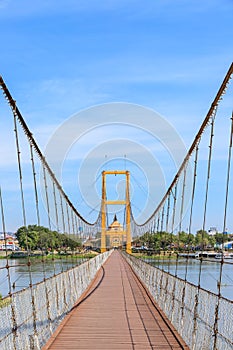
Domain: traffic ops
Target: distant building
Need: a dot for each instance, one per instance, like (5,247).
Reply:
(116,236)
(8,242)
(212,231)
(115,226)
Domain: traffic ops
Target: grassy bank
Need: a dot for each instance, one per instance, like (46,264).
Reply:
(56,256)
(3,254)
(4,302)
(161,256)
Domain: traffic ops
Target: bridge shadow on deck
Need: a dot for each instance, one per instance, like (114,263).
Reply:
(118,315)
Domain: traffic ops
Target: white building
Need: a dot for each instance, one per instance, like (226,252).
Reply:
(212,231)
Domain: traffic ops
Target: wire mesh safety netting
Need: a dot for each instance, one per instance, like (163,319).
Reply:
(189,237)
(33,314)
(42,272)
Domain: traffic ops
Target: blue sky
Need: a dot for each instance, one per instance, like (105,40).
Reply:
(60,57)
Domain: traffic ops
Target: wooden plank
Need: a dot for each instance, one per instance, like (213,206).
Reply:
(117,315)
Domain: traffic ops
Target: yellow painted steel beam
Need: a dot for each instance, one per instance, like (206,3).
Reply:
(103,216)
(115,202)
(115,172)
(128,230)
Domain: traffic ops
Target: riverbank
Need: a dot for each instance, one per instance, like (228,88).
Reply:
(4,254)
(204,255)
(162,256)
(50,256)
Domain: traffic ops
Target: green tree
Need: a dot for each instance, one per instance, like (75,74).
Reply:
(69,242)
(163,239)
(221,238)
(48,239)
(27,237)
(202,239)
(39,237)
(185,239)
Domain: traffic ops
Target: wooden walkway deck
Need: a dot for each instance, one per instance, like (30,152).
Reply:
(117,315)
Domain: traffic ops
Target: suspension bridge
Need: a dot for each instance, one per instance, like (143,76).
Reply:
(118,299)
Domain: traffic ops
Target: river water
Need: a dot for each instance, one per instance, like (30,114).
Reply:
(19,274)
(210,272)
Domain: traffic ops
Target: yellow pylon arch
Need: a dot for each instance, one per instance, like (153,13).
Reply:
(106,202)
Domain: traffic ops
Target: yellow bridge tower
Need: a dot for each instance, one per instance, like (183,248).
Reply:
(104,231)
